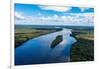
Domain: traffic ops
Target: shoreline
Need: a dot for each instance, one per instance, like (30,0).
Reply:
(82,50)
(37,34)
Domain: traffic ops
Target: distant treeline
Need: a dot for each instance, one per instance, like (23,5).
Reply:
(55,27)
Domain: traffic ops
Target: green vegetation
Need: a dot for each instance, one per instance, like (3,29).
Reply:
(24,34)
(56,41)
(83,49)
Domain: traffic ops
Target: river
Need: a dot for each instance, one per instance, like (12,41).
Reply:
(38,50)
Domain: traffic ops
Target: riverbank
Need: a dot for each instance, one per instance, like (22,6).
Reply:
(83,49)
(23,35)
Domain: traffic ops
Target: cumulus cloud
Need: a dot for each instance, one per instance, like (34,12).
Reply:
(72,19)
(55,8)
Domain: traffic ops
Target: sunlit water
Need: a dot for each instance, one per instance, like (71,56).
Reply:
(38,50)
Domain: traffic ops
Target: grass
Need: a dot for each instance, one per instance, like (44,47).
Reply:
(83,49)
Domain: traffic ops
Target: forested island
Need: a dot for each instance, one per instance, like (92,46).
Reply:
(55,42)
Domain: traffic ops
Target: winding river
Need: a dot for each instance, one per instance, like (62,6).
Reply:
(38,50)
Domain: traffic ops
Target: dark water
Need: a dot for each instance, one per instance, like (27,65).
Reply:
(38,50)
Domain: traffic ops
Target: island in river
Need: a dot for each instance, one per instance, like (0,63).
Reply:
(55,42)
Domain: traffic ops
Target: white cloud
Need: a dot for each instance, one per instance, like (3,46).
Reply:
(55,8)
(72,19)
(18,15)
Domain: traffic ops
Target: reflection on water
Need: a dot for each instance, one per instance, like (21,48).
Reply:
(38,50)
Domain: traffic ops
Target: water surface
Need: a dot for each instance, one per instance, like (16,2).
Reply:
(38,50)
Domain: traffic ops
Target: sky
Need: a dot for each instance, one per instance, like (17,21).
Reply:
(30,14)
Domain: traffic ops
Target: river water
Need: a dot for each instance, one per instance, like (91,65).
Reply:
(38,50)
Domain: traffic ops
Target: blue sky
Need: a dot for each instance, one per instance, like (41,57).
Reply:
(53,15)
